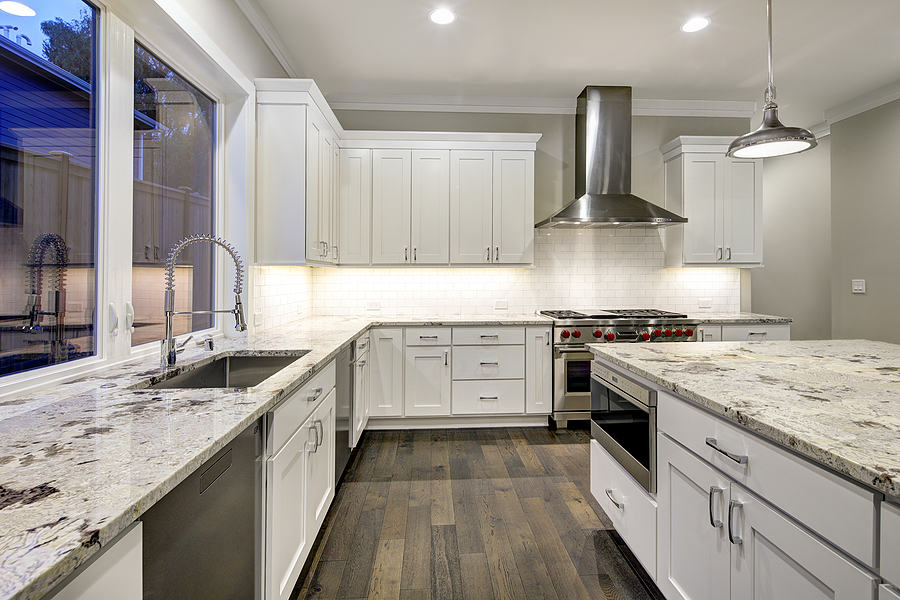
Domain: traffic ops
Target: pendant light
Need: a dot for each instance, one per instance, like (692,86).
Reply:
(772,138)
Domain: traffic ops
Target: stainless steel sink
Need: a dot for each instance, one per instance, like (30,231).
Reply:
(225,372)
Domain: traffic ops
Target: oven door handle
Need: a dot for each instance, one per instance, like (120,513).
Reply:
(571,349)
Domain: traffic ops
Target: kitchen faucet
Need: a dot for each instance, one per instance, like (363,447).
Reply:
(59,346)
(168,348)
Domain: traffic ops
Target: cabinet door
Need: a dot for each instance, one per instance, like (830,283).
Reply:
(114,574)
(315,133)
(743,228)
(778,560)
(471,202)
(386,374)
(320,445)
(756,333)
(287,544)
(709,333)
(354,214)
(333,200)
(693,549)
(538,371)
(427,381)
(360,398)
(513,207)
(430,209)
(391,183)
(704,181)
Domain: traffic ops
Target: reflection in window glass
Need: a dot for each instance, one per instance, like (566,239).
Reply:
(48,186)
(174,127)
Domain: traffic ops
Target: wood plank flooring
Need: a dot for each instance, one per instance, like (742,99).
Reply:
(470,514)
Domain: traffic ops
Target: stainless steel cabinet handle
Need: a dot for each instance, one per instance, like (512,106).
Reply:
(487,256)
(740,459)
(713,490)
(316,393)
(497,254)
(488,397)
(490,364)
(728,253)
(547,335)
(428,337)
(762,333)
(446,357)
(334,252)
(318,424)
(313,446)
(734,539)
(494,336)
(619,505)
(415,254)
(361,363)
(719,253)
(406,254)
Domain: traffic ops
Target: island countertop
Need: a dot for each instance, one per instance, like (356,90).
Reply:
(836,402)
(81,461)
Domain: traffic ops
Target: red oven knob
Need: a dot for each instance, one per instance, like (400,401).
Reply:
(657,333)
(689,332)
(576,334)
(668,333)
(611,336)
(598,333)
(677,333)
(645,336)
(565,334)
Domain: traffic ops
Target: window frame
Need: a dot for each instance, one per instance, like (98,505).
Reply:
(166,30)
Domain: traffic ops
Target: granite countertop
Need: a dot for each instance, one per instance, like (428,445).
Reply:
(737,318)
(836,402)
(81,461)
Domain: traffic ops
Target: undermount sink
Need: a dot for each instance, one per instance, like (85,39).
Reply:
(226,372)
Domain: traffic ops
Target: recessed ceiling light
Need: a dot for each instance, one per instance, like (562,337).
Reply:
(695,24)
(16,8)
(442,16)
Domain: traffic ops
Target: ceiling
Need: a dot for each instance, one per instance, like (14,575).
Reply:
(826,52)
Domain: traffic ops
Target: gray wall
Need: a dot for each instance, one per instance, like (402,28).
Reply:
(795,280)
(554,185)
(865,212)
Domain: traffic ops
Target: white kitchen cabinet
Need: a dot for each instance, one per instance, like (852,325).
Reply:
(709,333)
(320,207)
(513,207)
(488,397)
(721,198)
(386,375)
(471,206)
(391,205)
(538,371)
(361,390)
(114,573)
(888,592)
(756,333)
(717,540)
(890,542)
(426,388)
(320,447)
(430,231)
(355,207)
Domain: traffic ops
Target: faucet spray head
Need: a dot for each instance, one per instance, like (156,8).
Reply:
(239,323)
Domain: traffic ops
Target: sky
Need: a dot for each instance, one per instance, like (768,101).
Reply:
(46,10)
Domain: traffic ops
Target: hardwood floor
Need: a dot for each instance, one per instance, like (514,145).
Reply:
(470,514)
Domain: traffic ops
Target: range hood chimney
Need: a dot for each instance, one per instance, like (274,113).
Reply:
(603,167)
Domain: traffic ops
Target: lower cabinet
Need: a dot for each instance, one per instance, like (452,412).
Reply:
(538,371)
(386,374)
(361,394)
(427,381)
(319,463)
(759,332)
(718,540)
(113,574)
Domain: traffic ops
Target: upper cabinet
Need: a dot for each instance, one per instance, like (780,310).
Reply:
(326,196)
(722,200)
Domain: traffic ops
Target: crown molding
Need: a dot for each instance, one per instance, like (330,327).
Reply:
(538,106)
(263,26)
(863,103)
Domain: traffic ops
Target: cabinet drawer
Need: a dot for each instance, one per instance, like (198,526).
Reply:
(283,420)
(756,333)
(792,483)
(635,515)
(888,592)
(488,397)
(488,362)
(890,542)
(494,336)
(428,336)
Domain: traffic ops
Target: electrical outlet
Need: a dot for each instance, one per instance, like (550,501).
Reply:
(858,286)
(704,302)
(258,317)
(373,305)
(501,304)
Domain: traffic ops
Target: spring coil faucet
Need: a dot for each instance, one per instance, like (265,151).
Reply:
(169,349)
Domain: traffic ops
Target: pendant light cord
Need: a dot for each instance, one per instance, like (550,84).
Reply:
(770,91)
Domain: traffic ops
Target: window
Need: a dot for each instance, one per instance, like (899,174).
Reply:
(174,141)
(48,187)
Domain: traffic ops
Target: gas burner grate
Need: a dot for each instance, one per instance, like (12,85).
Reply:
(638,313)
(564,314)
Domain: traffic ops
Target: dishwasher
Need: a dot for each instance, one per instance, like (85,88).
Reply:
(203,539)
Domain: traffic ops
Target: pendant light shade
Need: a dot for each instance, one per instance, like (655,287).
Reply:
(772,138)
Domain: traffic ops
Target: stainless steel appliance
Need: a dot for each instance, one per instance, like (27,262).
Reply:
(623,421)
(572,361)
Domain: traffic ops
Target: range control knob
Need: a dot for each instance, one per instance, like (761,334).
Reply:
(657,333)
(689,332)
(645,336)
(598,333)
(565,334)
(576,334)
(677,333)
(611,336)
(668,333)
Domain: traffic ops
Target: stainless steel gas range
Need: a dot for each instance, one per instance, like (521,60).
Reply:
(572,361)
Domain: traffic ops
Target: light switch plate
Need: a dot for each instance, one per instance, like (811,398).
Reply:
(704,302)
(258,317)
(373,305)
(858,286)
(501,304)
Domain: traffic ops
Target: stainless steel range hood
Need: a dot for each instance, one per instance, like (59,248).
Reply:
(603,167)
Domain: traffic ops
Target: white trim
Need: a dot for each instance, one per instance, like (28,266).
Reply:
(863,103)
(263,26)
(376,423)
(821,130)
(522,105)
